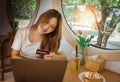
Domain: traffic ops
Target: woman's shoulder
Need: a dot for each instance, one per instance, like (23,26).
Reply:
(23,30)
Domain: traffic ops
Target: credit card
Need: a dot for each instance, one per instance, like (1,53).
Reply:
(41,52)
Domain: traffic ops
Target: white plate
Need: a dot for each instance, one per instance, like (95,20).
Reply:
(82,73)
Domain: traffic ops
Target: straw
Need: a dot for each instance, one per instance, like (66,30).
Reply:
(76,56)
(76,51)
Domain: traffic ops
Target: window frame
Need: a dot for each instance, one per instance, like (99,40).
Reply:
(109,42)
(10,15)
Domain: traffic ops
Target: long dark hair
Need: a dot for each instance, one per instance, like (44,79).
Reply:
(51,41)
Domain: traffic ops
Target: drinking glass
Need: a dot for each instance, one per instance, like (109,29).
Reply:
(75,63)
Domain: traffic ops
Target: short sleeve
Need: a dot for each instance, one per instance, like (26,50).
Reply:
(17,40)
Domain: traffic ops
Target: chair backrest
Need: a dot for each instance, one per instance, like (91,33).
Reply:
(5,55)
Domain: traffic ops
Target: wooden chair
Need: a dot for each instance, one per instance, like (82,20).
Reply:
(5,55)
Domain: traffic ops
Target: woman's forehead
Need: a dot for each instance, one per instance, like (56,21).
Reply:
(53,21)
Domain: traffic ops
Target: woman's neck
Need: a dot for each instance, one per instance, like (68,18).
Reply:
(34,35)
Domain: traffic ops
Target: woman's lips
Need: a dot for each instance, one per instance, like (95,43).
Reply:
(43,29)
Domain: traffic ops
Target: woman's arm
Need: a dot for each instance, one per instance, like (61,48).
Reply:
(60,55)
(17,43)
(15,53)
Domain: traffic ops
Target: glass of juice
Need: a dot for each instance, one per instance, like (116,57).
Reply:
(75,63)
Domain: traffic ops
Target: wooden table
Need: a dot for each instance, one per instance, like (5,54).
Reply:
(72,76)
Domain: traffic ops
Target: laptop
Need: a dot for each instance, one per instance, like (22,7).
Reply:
(38,70)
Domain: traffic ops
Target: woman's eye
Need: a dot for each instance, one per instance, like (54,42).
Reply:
(52,27)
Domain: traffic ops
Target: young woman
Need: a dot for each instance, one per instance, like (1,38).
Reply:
(45,34)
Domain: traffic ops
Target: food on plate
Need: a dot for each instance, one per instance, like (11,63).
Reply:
(92,77)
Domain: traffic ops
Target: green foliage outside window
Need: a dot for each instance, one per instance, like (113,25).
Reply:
(23,8)
(106,14)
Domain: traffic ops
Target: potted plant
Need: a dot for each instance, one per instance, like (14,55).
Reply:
(83,41)
(14,25)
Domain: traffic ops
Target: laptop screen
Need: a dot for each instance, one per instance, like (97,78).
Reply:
(38,70)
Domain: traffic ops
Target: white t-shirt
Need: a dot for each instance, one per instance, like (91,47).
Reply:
(21,42)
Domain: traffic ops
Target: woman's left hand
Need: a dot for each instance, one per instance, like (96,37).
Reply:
(52,55)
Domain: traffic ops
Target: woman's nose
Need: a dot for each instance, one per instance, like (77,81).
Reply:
(47,27)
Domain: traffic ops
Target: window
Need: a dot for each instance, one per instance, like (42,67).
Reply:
(23,11)
(88,16)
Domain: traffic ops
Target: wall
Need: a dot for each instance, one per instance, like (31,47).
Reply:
(44,5)
(4,24)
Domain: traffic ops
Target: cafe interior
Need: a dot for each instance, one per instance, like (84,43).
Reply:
(88,32)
